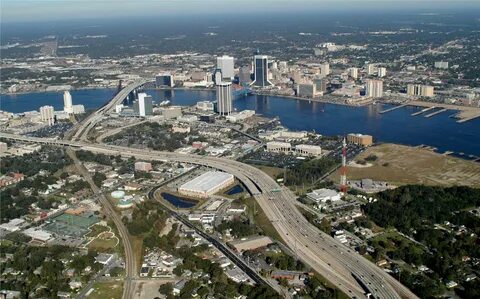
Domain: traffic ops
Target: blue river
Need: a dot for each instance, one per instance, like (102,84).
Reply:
(398,126)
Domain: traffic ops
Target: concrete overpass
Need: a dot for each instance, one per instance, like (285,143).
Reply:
(330,258)
(87,125)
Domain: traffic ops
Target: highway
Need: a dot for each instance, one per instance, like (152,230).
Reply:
(87,125)
(330,258)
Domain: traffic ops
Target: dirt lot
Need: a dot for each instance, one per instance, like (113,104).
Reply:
(400,165)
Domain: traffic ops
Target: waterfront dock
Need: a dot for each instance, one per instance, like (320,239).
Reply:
(393,108)
(423,110)
(436,112)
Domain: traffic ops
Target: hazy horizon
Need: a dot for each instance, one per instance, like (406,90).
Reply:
(26,11)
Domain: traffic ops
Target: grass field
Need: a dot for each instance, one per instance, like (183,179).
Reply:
(401,165)
(261,219)
(107,290)
(103,244)
(96,229)
(271,171)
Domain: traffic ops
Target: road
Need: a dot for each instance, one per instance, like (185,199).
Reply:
(90,122)
(330,258)
(130,261)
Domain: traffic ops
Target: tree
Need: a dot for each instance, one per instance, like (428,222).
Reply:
(166,289)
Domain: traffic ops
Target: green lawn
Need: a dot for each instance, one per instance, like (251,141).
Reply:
(96,229)
(107,290)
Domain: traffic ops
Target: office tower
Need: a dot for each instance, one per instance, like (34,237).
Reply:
(381,72)
(217,76)
(260,71)
(307,90)
(274,66)
(354,72)
(244,75)
(67,102)
(324,69)
(145,104)
(420,90)
(226,65)
(374,89)
(441,64)
(224,98)
(164,80)
(370,69)
(47,114)
(320,84)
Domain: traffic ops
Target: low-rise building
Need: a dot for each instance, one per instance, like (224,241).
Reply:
(279,147)
(143,166)
(251,243)
(206,184)
(365,140)
(308,150)
(323,195)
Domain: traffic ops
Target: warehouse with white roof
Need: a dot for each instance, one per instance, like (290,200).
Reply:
(206,184)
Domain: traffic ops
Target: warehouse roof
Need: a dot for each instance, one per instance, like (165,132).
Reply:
(207,181)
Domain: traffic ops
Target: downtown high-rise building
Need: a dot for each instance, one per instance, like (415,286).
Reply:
(144,105)
(324,69)
(260,71)
(47,114)
(67,102)
(226,66)
(164,80)
(374,88)
(354,72)
(420,90)
(381,72)
(224,98)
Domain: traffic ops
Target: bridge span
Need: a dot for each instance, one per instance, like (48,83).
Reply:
(85,126)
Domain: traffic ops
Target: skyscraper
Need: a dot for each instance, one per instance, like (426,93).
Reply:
(381,72)
(224,98)
(47,114)
(324,69)
(354,72)
(260,71)
(164,79)
(226,65)
(67,102)
(374,88)
(145,104)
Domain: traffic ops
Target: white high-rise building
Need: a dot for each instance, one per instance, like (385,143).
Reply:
(354,72)
(67,102)
(47,114)
(371,69)
(226,65)
(381,72)
(324,69)
(374,88)
(224,98)
(145,104)
(420,90)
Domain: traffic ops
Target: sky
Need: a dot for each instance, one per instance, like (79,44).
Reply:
(51,10)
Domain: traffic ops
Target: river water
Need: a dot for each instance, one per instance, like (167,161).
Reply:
(398,126)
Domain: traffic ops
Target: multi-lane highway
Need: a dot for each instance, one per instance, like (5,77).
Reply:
(328,257)
(82,130)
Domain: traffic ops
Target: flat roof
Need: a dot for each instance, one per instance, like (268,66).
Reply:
(207,181)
